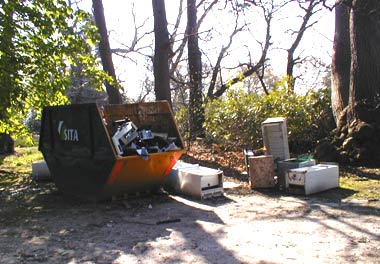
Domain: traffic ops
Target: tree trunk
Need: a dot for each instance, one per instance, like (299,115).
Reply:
(195,71)
(161,52)
(114,96)
(7,144)
(341,62)
(356,140)
(365,52)
(8,57)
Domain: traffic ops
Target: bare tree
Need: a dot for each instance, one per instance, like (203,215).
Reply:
(310,10)
(161,52)
(135,46)
(195,72)
(177,54)
(250,67)
(114,96)
(222,52)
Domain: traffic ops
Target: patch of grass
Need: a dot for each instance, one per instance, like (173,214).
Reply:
(364,181)
(16,168)
(22,160)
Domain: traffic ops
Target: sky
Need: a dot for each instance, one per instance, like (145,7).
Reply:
(132,71)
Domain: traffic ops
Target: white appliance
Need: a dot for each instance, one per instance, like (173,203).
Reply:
(194,180)
(315,178)
(275,137)
(284,166)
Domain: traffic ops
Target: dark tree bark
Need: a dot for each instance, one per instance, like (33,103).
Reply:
(356,139)
(114,96)
(195,72)
(161,52)
(10,74)
(7,144)
(365,52)
(341,62)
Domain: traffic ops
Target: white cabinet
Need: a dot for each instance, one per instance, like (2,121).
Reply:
(315,178)
(275,138)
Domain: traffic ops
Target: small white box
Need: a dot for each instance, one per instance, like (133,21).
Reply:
(40,171)
(315,178)
(195,180)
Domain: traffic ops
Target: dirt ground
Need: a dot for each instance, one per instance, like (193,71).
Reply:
(37,225)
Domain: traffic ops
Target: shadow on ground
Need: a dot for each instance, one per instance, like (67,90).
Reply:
(361,172)
(39,225)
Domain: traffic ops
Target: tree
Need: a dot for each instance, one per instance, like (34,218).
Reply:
(250,68)
(356,138)
(114,96)
(310,10)
(365,53)
(161,52)
(40,39)
(195,72)
(341,61)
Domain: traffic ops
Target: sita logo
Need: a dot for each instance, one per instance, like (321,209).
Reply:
(67,134)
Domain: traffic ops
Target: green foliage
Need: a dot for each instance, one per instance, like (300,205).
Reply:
(235,120)
(22,161)
(26,141)
(182,118)
(40,40)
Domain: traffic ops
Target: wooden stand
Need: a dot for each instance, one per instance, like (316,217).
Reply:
(261,171)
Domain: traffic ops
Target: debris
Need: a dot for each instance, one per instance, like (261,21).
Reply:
(261,171)
(145,134)
(283,166)
(129,140)
(252,153)
(139,248)
(175,220)
(126,133)
(195,180)
(313,179)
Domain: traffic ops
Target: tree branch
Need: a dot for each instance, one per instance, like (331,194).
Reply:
(220,57)
(252,68)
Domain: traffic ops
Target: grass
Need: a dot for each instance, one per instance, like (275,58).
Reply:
(16,168)
(365,182)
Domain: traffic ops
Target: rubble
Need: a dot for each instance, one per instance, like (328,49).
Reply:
(130,140)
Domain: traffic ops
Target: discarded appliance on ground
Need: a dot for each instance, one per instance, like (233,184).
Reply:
(275,138)
(313,179)
(283,166)
(273,167)
(40,171)
(194,180)
(261,171)
(252,153)
(98,152)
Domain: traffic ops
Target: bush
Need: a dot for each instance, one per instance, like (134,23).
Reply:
(182,118)
(235,120)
